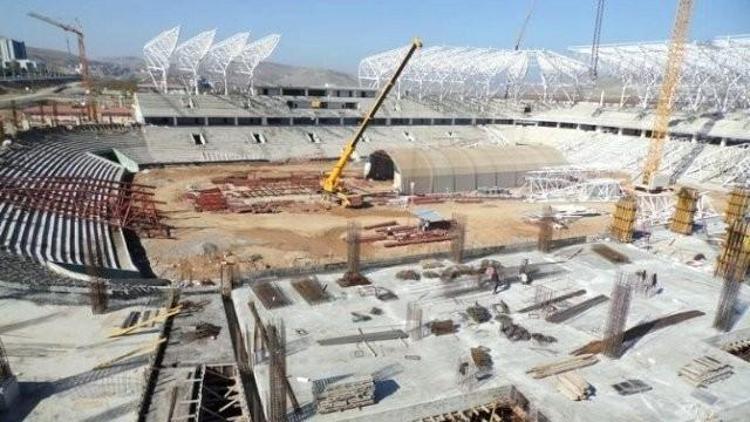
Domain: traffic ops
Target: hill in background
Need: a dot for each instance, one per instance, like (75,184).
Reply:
(128,67)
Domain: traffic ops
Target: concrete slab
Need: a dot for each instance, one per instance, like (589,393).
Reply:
(410,374)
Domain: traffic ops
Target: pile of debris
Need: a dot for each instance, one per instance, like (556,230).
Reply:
(353,279)
(481,358)
(408,275)
(515,332)
(442,327)
(207,199)
(705,370)
(453,272)
(610,254)
(574,387)
(349,395)
(479,313)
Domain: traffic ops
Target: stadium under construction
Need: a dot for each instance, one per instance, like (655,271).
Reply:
(468,234)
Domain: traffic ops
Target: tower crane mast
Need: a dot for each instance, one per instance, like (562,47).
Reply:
(85,74)
(667,92)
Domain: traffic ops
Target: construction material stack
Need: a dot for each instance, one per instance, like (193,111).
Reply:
(705,370)
(623,224)
(349,395)
(684,213)
(573,386)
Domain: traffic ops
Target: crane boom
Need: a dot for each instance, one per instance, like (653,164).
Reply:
(66,27)
(667,92)
(85,74)
(332,183)
(597,38)
(522,31)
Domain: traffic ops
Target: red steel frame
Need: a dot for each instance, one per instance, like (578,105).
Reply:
(119,204)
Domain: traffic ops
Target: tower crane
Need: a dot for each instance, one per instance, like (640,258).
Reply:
(664,105)
(331,184)
(85,75)
(597,38)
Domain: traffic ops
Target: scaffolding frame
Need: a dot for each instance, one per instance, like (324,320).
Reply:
(120,204)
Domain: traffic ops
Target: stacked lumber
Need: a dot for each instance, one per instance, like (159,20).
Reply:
(563,365)
(573,386)
(705,370)
(349,395)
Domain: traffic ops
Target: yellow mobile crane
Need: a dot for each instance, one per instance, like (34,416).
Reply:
(331,184)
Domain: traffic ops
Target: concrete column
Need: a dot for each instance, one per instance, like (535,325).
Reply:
(236,121)
(723,142)
(205,121)
(174,121)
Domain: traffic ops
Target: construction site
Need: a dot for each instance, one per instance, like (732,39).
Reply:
(465,234)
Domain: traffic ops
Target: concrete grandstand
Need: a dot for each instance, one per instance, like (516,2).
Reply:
(204,226)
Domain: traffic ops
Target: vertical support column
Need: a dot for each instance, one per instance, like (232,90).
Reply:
(617,317)
(544,241)
(277,372)
(623,219)
(737,205)
(684,212)
(98,296)
(414,321)
(725,310)
(458,240)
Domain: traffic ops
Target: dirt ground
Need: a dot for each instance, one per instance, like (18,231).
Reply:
(312,233)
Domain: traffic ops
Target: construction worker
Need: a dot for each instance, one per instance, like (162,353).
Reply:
(494,277)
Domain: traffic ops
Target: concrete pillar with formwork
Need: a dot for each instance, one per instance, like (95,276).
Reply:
(683,218)
(738,204)
(544,240)
(735,253)
(458,241)
(623,219)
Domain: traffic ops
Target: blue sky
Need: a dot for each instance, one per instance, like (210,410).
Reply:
(338,33)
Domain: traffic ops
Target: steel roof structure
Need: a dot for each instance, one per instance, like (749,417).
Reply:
(715,74)
(197,57)
(188,55)
(478,72)
(254,53)
(157,53)
(221,55)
